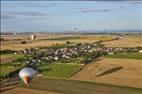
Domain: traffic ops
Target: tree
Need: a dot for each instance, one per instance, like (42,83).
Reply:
(23,42)
(68,42)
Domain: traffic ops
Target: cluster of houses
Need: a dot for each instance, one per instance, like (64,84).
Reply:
(50,54)
(117,50)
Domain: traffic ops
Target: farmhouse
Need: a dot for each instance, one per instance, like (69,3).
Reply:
(56,58)
(33,37)
(140,51)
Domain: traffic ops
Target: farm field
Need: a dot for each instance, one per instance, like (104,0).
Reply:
(12,55)
(13,42)
(7,58)
(59,70)
(126,55)
(29,45)
(49,40)
(8,64)
(20,90)
(9,67)
(45,85)
(123,72)
(127,41)
(51,70)
(60,47)
(119,69)
(78,87)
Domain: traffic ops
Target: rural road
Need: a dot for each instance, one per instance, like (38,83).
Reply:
(79,87)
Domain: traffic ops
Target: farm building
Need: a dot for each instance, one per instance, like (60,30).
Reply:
(33,37)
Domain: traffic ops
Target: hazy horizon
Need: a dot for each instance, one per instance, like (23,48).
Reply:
(67,16)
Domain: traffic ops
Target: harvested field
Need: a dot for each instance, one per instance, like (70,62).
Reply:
(123,72)
(6,59)
(78,87)
(27,91)
(128,41)
(33,44)
(13,42)
(126,55)
(44,85)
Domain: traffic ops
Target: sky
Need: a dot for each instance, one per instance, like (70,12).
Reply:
(64,16)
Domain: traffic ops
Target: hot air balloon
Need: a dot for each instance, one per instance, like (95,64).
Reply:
(26,75)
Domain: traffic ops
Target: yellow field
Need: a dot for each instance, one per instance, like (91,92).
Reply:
(33,44)
(129,75)
(13,42)
(127,41)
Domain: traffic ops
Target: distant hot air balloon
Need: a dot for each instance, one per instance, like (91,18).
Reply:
(26,75)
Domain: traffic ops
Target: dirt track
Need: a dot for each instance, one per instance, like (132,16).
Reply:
(123,72)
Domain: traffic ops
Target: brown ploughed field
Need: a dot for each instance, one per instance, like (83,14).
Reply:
(123,72)
(27,91)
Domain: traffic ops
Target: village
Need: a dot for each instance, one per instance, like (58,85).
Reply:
(68,52)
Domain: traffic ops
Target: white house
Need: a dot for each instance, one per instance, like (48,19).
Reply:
(56,58)
(33,37)
(140,51)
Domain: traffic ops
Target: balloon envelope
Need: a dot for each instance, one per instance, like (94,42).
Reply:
(26,74)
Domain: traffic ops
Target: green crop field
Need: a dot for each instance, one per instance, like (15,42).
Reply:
(9,67)
(6,68)
(17,56)
(8,58)
(127,55)
(59,70)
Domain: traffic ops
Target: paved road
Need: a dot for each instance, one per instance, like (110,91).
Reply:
(79,87)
